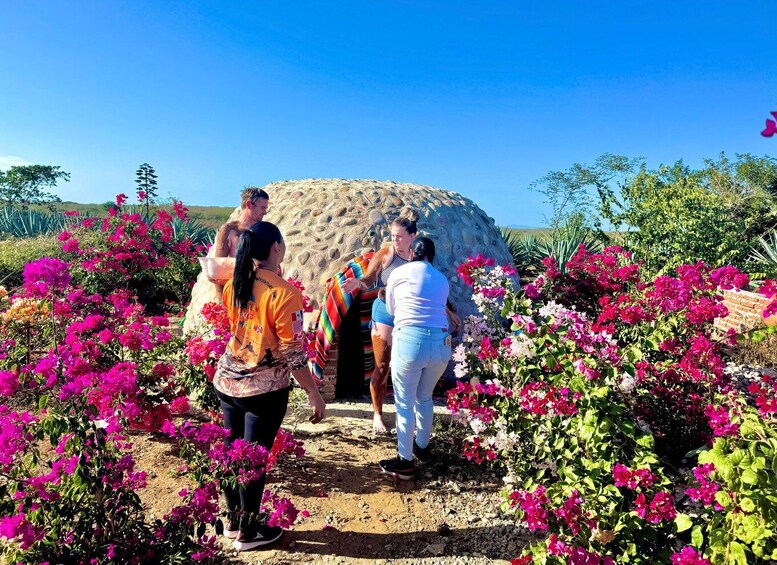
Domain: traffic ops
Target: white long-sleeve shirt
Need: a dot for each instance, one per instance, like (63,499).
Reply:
(416,294)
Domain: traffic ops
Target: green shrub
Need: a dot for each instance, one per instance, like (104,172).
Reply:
(15,253)
(528,250)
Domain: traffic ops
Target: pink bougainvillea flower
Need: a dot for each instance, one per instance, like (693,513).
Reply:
(688,556)
(770,129)
(46,274)
(720,421)
(180,210)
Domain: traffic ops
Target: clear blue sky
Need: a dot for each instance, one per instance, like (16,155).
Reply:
(477,97)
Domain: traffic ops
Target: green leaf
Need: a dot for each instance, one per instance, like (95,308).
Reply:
(737,553)
(646,440)
(683,522)
(697,537)
(747,504)
(695,452)
(723,498)
(749,476)
(758,336)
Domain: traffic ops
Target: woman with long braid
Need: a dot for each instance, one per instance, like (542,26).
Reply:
(253,376)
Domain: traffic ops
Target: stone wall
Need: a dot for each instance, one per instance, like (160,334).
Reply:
(745,311)
(329,378)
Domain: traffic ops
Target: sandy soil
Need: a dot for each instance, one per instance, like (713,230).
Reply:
(449,514)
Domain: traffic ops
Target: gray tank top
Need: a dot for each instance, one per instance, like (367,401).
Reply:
(396,261)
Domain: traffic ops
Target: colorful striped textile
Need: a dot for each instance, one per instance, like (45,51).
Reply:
(335,305)
(367,297)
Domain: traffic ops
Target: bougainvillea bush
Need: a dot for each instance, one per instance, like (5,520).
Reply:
(80,373)
(603,397)
(150,258)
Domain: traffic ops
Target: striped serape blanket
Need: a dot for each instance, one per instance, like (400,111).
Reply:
(335,305)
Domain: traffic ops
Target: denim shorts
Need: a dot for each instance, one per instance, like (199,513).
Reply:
(380,314)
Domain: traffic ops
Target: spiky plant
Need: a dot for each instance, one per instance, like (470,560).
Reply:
(764,255)
(524,249)
(565,242)
(194,230)
(29,223)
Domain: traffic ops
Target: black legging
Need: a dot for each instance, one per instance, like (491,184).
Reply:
(257,419)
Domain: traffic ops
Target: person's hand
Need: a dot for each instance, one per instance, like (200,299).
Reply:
(456,321)
(318,404)
(349,285)
(220,282)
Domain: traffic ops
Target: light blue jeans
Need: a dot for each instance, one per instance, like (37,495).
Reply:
(419,357)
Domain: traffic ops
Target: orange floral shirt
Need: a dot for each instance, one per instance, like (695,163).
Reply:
(266,341)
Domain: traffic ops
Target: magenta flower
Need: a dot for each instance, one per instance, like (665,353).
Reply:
(660,508)
(45,274)
(180,405)
(688,556)
(729,277)
(720,421)
(9,383)
(180,210)
(624,477)
(283,513)
(706,490)
(16,527)
(533,505)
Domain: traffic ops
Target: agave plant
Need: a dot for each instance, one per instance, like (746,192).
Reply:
(194,230)
(765,253)
(524,249)
(565,242)
(29,223)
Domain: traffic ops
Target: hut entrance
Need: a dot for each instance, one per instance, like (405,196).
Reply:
(354,360)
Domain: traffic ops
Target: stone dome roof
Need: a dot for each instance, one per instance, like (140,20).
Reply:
(327,222)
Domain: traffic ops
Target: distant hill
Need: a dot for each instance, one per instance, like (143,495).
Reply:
(525,227)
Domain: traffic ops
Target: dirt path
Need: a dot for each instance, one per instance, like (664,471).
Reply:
(450,514)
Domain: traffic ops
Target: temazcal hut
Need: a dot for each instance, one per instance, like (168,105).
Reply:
(328,222)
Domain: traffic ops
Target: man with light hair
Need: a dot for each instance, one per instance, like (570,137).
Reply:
(254,203)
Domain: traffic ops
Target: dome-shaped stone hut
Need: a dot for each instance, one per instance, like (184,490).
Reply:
(327,222)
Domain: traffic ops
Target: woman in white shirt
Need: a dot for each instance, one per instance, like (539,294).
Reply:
(416,295)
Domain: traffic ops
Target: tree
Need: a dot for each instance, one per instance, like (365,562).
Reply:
(673,214)
(748,187)
(673,218)
(676,215)
(23,185)
(580,191)
(145,178)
